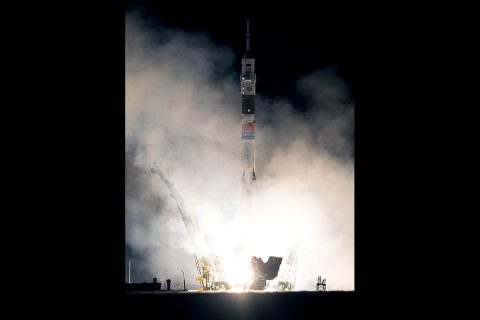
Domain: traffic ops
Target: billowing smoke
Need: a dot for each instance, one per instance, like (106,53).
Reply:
(183,112)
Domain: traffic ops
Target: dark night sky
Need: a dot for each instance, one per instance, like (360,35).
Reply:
(287,44)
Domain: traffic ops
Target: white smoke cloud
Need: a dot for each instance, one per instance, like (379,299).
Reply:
(182,110)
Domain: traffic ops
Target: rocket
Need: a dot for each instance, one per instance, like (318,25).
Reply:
(247,84)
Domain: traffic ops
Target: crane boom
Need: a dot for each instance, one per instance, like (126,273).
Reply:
(187,218)
(208,264)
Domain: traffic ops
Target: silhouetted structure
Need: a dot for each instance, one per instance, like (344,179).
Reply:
(264,271)
(168,284)
(184,286)
(153,286)
(321,285)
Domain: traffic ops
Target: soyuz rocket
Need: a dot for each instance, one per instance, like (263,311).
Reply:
(247,85)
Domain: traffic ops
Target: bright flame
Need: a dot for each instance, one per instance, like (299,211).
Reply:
(235,242)
(237,271)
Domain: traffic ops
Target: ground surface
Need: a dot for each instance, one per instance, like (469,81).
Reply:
(246,305)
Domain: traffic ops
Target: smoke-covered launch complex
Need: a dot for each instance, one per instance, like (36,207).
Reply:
(211,275)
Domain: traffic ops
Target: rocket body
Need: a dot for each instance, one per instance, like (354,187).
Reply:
(248,91)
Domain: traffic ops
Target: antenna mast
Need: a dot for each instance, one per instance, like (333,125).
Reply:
(129,271)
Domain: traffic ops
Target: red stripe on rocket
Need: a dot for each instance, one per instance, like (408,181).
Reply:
(248,130)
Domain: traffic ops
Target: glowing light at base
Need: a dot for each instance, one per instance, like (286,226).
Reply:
(235,242)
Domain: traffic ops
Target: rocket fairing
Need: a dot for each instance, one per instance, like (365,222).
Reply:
(247,85)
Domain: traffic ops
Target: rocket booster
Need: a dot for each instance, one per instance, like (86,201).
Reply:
(247,84)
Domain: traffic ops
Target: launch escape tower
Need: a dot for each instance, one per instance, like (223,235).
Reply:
(247,84)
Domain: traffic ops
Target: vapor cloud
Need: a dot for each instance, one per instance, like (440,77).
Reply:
(182,110)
